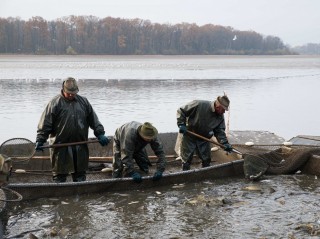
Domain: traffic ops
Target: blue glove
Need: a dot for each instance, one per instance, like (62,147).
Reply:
(182,129)
(136,177)
(39,146)
(227,147)
(103,140)
(157,176)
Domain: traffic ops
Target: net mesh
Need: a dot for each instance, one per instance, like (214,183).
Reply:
(275,159)
(20,150)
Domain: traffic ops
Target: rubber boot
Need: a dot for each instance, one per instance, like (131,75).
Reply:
(185,166)
(79,177)
(60,178)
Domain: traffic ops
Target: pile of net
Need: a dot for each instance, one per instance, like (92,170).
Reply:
(259,161)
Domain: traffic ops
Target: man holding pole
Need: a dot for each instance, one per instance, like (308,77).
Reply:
(67,119)
(204,118)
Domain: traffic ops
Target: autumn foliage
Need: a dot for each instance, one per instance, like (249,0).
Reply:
(115,36)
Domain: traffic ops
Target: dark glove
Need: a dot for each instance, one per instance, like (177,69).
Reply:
(157,176)
(227,147)
(39,146)
(182,129)
(136,177)
(103,140)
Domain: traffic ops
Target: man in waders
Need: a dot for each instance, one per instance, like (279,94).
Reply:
(66,119)
(206,119)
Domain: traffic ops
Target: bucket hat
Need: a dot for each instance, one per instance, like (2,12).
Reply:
(147,131)
(224,102)
(70,86)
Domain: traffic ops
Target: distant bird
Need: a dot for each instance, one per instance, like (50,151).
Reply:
(234,38)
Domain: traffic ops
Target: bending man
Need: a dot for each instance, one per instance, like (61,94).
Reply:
(129,144)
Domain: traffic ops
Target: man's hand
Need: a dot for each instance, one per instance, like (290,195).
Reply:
(157,176)
(136,177)
(182,129)
(227,147)
(103,140)
(39,146)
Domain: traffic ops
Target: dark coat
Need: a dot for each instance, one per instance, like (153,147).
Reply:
(67,121)
(199,116)
(128,142)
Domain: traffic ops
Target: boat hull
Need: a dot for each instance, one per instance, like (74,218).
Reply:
(36,181)
(40,190)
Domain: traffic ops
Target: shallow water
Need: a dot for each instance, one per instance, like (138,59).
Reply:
(274,208)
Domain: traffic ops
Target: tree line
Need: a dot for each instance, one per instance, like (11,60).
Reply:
(308,49)
(116,36)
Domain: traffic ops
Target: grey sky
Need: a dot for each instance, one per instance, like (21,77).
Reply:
(296,22)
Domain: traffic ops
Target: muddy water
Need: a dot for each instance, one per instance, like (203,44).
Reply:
(277,94)
(276,207)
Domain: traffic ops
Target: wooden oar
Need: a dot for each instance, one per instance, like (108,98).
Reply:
(211,141)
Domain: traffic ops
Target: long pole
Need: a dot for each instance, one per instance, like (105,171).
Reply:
(70,144)
(211,141)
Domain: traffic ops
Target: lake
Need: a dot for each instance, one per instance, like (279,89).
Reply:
(270,93)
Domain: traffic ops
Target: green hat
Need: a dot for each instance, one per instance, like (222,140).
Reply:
(147,131)
(224,102)
(70,86)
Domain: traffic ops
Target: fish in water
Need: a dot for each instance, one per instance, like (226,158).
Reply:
(258,188)
(206,201)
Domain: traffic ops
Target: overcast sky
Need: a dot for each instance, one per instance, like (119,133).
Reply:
(296,22)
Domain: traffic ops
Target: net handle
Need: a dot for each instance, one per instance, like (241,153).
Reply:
(69,144)
(211,141)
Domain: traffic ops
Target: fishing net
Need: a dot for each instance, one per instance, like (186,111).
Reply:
(275,159)
(20,150)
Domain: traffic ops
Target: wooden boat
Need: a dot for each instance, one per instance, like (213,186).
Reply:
(35,180)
